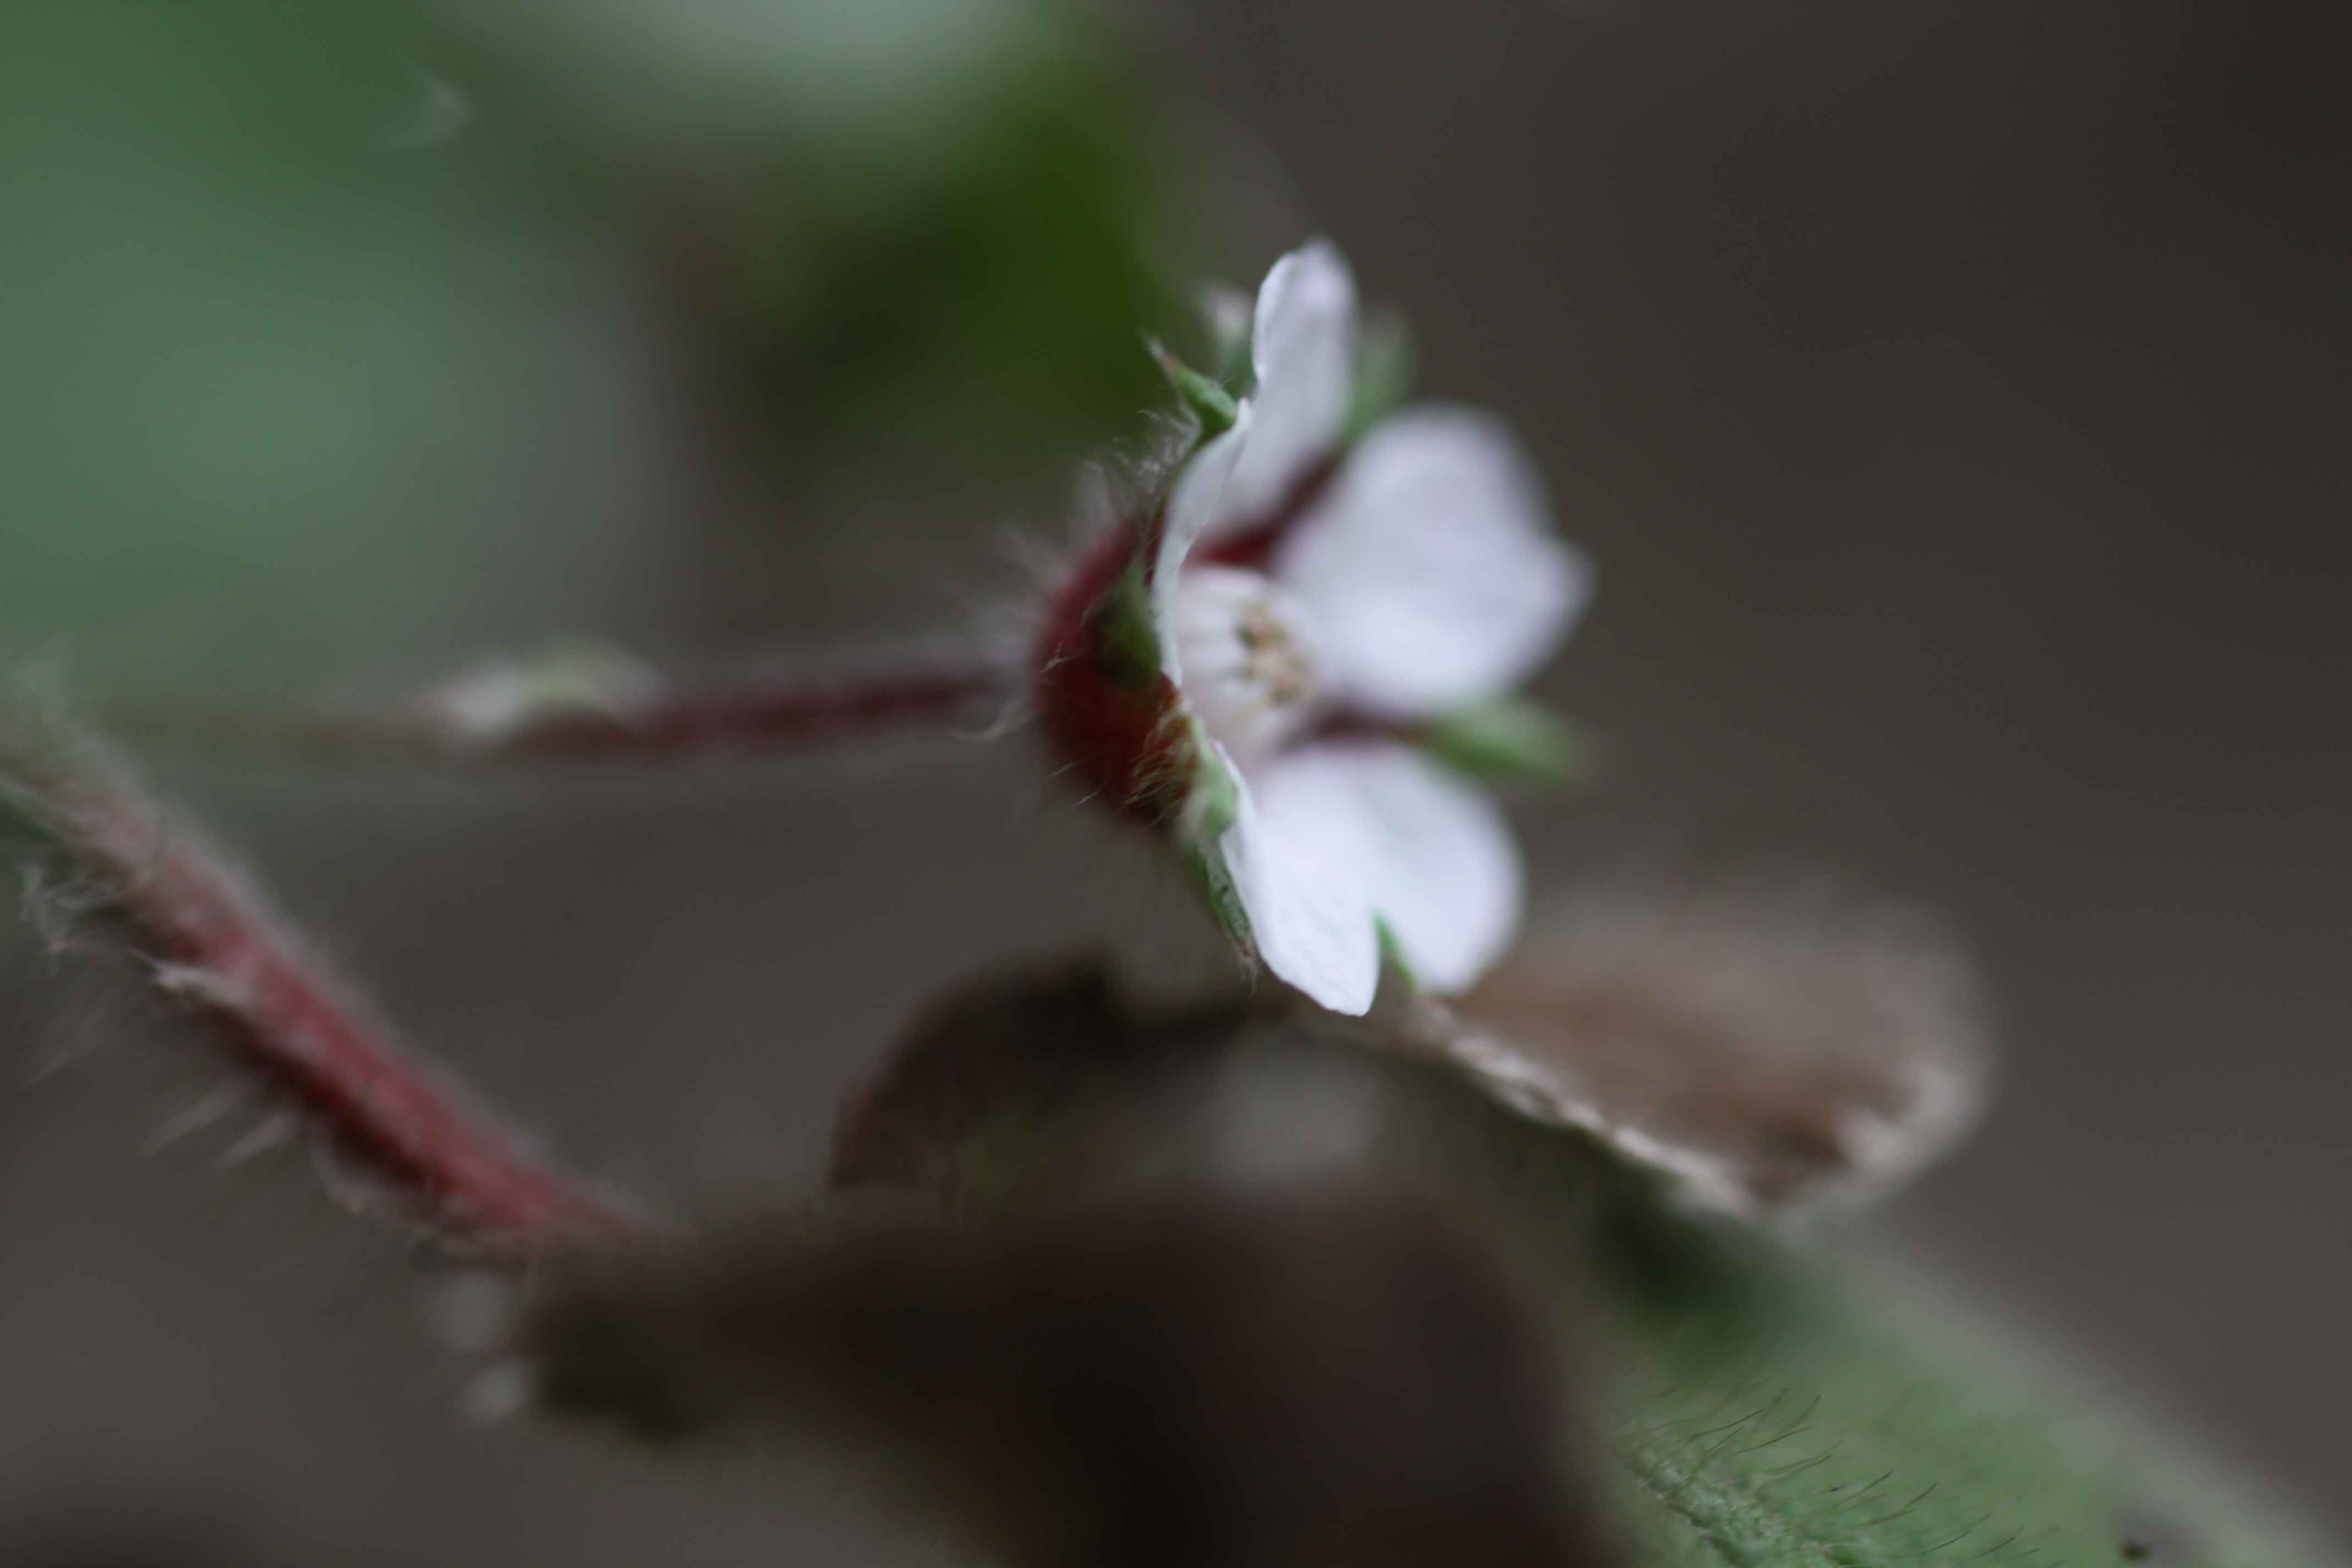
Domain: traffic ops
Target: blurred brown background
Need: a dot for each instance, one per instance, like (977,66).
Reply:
(1954,398)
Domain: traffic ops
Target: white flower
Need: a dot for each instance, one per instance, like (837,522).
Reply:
(1308,616)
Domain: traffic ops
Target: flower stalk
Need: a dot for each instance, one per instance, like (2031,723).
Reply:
(585,705)
(219,943)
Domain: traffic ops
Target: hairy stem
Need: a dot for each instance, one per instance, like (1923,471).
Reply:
(585,706)
(220,945)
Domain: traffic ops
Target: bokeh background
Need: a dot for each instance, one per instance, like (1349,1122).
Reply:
(1953,396)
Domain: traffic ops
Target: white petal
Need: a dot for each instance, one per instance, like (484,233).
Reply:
(1311,920)
(1431,852)
(1430,568)
(1304,348)
(1195,501)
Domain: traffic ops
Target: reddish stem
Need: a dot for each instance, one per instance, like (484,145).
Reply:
(307,1028)
(752,711)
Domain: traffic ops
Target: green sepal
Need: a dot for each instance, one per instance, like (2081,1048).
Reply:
(1126,640)
(1392,959)
(1211,802)
(1512,738)
(1212,879)
(1211,404)
(1383,373)
(1212,799)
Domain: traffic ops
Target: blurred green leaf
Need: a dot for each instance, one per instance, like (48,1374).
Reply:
(906,222)
(278,391)
(328,345)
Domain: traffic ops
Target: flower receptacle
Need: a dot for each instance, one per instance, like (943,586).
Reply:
(1101,696)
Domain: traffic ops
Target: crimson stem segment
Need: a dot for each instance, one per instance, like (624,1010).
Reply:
(222,944)
(531,712)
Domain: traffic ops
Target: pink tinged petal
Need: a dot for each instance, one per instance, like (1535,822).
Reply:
(1195,501)
(1303,345)
(1430,568)
(1309,919)
(1433,853)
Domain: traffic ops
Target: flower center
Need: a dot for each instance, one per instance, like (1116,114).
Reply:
(1245,664)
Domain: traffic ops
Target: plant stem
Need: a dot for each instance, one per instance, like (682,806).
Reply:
(222,946)
(562,710)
